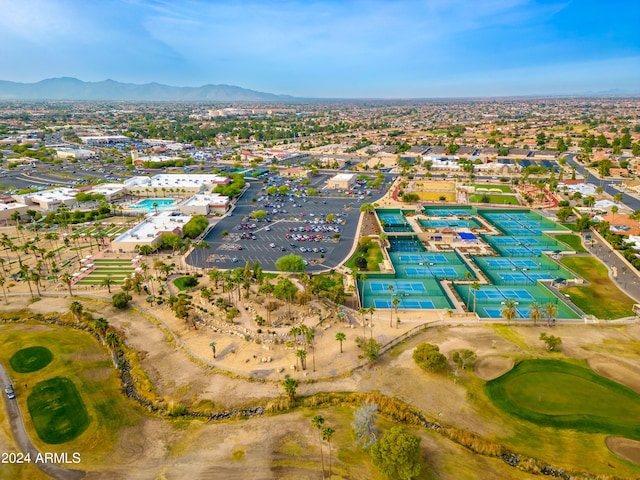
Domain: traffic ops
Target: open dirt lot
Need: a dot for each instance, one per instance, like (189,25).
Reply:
(177,361)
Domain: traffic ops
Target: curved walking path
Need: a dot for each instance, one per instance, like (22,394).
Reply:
(24,442)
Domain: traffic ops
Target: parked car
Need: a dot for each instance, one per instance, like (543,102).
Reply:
(10,392)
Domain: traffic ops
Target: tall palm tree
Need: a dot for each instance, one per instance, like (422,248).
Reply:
(317,422)
(395,303)
(475,286)
(35,277)
(340,337)
(550,310)
(535,312)
(509,310)
(67,279)
(363,312)
(4,292)
(302,355)
(327,434)
(468,276)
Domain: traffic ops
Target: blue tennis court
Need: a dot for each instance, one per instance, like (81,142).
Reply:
(444,272)
(514,277)
(516,293)
(524,263)
(423,257)
(391,219)
(382,286)
(495,312)
(498,263)
(448,212)
(489,295)
(404,303)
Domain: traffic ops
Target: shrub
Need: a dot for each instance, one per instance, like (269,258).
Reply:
(428,357)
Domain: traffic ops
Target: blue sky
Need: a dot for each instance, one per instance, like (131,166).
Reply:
(331,48)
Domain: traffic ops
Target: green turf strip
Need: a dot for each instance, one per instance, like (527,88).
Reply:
(31,359)
(561,395)
(58,412)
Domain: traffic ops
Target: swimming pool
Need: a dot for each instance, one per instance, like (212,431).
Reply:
(152,204)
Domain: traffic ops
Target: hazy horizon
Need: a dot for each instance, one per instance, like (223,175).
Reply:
(369,49)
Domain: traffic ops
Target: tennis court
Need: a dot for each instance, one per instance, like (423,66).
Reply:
(423,257)
(452,223)
(495,312)
(404,304)
(448,212)
(438,272)
(398,286)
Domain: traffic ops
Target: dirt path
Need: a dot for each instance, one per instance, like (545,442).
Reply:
(24,442)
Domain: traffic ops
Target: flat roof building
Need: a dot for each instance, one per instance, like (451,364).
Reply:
(150,231)
(342,181)
(205,204)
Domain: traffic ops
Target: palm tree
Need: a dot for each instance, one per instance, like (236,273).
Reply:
(535,312)
(475,286)
(4,292)
(107,282)
(468,276)
(340,337)
(362,312)
(302,355)
(317,422)
(213,348)
(66,278)
(101,325)
(550,310)
(112,341)
(76,309)
(327,433)
(290,387)
(371,310)
(395,303)
(35,278)
(509,310)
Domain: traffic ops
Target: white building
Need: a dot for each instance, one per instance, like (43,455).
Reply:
(50,199)
(150,231)
(205,204)
(342,181)
(173,184)
(109,190)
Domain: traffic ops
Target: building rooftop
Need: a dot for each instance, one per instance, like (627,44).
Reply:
(154,225)
(200,199)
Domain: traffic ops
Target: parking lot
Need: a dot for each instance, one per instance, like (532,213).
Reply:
(298,225)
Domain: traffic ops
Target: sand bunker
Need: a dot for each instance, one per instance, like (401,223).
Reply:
(488,368)
(625,448)
(616,371)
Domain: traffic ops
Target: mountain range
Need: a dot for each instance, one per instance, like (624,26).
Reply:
(66,88)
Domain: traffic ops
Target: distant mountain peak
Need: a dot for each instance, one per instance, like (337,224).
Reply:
(69,88)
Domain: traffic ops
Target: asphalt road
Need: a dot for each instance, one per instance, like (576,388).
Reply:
(222,251)
(22,439)
(607,185)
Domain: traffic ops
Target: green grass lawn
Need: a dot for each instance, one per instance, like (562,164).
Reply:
(502,188)
(373,256)
(180,282)
(495,199)
(31,359)
(602,297)
(557,394)
(573,241)
(58,412)
(78,357)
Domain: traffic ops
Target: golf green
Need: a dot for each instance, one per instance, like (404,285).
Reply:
(30,359)
(562,395)
(58,412)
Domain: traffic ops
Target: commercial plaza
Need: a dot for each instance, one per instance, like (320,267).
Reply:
(437,254)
